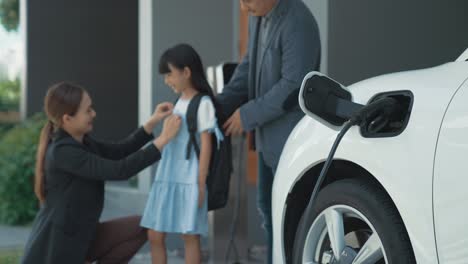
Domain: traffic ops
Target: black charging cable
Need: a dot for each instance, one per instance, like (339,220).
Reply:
(377,111)
(235,220)
(373,115)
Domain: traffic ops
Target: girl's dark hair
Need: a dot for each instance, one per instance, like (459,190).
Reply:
(61,98)
(181,56)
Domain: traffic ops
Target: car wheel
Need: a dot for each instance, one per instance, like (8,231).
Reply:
(352,221)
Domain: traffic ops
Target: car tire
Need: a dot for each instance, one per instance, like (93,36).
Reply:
(353,199)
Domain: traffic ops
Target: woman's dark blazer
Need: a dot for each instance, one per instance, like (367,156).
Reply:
(74,184)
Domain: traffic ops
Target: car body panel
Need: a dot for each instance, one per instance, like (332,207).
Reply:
(451,182)
(403,164)
(464,56)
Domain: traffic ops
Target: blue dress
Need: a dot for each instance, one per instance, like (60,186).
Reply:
(172,205)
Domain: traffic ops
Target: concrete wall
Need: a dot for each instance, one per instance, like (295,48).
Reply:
(368,37)
(319,9)
(92,43)
(208,27)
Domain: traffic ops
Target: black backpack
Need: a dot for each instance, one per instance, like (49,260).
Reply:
(220,169)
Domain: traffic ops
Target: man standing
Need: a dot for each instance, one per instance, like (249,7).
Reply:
(284,45)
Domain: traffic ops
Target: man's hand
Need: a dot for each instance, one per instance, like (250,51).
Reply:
(233,125)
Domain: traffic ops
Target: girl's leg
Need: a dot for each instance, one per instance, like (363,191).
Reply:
(158,247)
(192,249)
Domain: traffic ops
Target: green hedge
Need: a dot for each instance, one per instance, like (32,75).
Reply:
(9,95)
(9,14)
(10,256)
(18,146)
(4,127)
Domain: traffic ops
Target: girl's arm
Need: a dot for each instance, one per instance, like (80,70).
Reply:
(205,157)
(204,164)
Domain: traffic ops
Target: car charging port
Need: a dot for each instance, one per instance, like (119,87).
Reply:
(385,115)
(389,120)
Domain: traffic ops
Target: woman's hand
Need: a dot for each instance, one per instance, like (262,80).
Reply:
(162,111)
(170,129)
(201,194)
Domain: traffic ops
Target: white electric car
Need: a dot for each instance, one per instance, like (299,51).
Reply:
(397,188)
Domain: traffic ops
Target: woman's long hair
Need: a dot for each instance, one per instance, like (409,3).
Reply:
(61,98)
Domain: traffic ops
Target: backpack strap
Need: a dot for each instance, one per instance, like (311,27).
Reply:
(191,116)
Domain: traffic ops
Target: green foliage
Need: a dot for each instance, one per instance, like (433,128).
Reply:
(9,14)
(18,146)
(10,95)
(10,256)
(4,127)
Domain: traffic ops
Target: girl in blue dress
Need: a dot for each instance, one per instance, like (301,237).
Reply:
(177,202)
